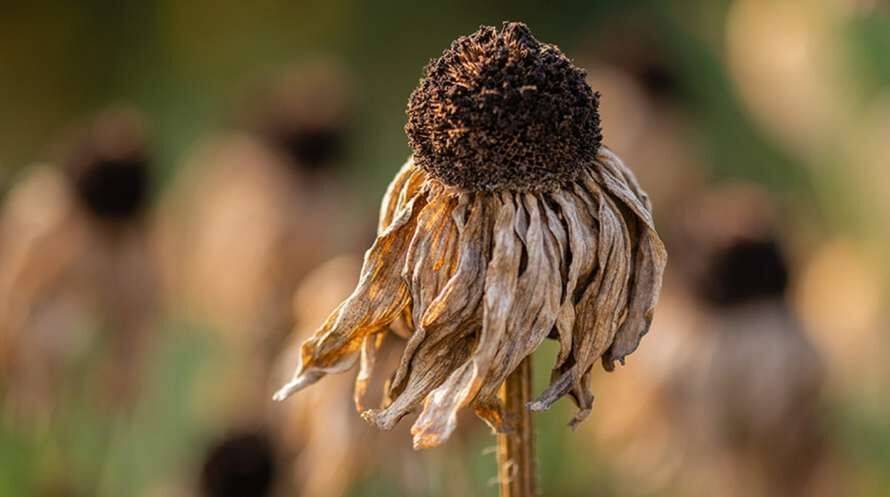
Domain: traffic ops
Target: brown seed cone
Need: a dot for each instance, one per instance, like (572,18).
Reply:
(500,110)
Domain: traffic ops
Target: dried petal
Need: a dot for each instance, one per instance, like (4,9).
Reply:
(650,258)
(584,261)
(536,306)
(370,345)
(380,296)
(439,415)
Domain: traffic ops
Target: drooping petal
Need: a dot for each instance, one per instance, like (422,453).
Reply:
(370,345)
(457,304)
(378,299)
(478,280)
(649,263)
(432,256)
(405,186)
(447,331)
(650,256)
(600,309)
(463,292)
(616,178)
(389,204)
(582,234)
(439,416)
(431,365)
(537,303)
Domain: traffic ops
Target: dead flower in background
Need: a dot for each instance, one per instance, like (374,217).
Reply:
(79,265)
(511,222)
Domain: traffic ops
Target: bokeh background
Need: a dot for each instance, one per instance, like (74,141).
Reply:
(142,334)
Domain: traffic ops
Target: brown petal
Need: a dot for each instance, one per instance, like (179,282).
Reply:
(439,415)
(389,204)
(430,366)
(600,310)
(431,257)
(447,331)
(377,300)
(370,345)
(650,257)
(582,234)
(405,186)
(537,302)
(649,264)
(618,180)
(456,306)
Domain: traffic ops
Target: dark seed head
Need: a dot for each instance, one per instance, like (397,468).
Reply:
(500,110)
(305,114)
(109,167)
(239,465)
(313,148)
(746,271)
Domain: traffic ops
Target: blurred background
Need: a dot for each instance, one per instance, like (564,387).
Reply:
(187,188)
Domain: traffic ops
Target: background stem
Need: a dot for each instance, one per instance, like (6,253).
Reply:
(516,450)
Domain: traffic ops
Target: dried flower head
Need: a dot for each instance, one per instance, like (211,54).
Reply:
(241,464)
(503,111)
(305,114)
(109,167)
(509,224)
(744,271)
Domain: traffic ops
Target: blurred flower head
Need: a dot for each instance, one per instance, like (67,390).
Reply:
(109,166)
(728,398)
(511,222)
(305,115)
(78,270)
(241,464)
(746,270)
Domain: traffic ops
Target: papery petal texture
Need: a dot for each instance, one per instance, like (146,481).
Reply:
(480,279)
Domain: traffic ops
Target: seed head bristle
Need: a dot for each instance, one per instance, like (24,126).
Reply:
(500,110)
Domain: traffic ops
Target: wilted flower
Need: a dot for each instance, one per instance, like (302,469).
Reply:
(78,259)
(729,397)
(510,223)
(329,448)
(256,200)
(255,209)
(241,464)
(306,116)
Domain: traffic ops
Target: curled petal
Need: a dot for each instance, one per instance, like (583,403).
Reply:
(432,256)
(370,346)
(582,236)
(650,257)
(431,365)
(620,181)
(538,292)
(389,204)
(378,299)
(650,261)
(403,188)
(439,415)
(600,309)
(456,306)
(475,281)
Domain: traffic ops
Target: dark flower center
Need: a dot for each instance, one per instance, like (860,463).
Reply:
(746,271)
(313,148)
(115,188)
(240,465)
(500,110)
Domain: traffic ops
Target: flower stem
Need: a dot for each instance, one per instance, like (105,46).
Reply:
(516,448)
